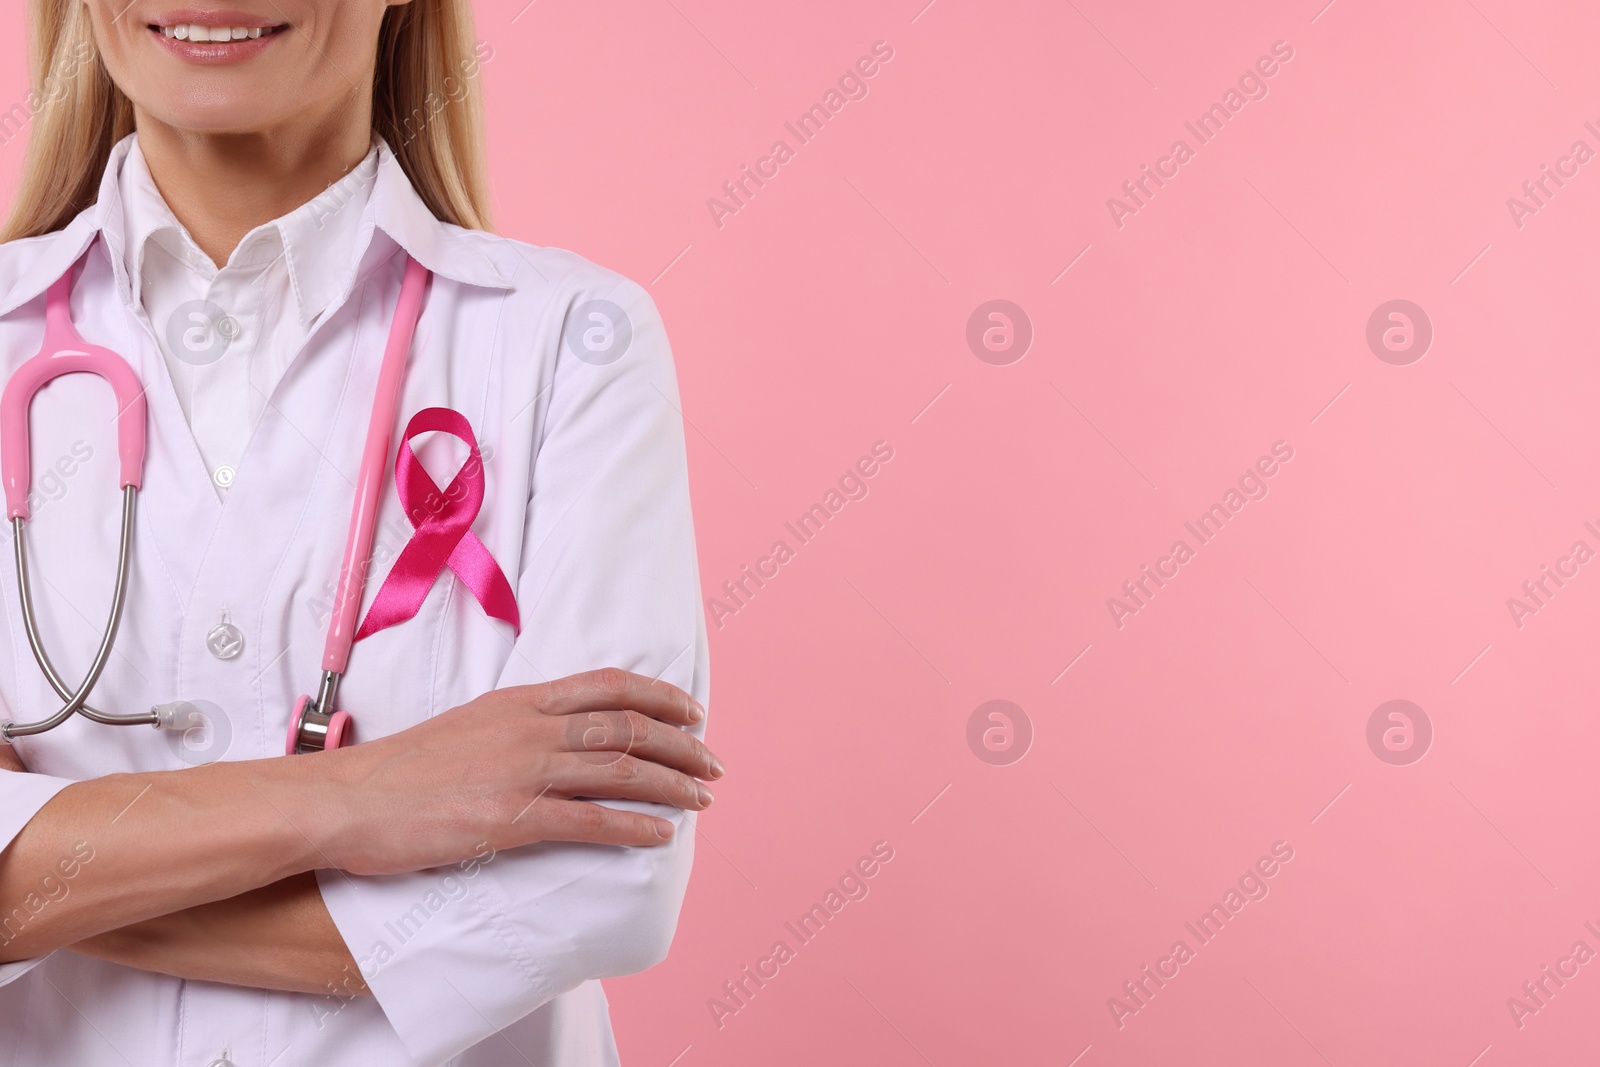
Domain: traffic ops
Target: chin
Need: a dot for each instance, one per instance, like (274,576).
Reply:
(212,110)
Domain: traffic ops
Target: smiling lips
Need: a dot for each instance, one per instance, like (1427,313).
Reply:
(197,33)
(215,37)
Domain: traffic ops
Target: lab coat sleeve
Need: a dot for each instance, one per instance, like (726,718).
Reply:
(21,796)
(608,577)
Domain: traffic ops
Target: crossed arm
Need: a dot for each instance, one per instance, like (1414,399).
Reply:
(279,936)
(213,880)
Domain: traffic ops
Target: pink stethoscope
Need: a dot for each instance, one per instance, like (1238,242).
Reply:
(314,724)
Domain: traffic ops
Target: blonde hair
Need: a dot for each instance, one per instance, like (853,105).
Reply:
(423,105)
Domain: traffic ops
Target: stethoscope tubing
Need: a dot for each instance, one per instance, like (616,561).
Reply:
(313,725)
(374,465)
(75,701)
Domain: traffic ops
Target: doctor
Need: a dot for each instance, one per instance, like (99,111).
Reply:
(234,196)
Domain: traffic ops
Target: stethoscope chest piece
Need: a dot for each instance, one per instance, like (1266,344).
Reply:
(312,730)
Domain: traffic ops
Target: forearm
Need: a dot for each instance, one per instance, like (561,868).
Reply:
(511,768)
(279,936)
(111,852)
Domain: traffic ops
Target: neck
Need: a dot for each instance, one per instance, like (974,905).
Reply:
(222,186)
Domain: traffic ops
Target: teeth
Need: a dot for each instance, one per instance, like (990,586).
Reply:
(196,32)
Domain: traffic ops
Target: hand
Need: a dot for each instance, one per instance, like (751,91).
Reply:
(505,770)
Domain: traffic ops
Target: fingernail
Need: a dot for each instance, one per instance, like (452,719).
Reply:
(706,796)
(696,712)
(717,769)
(663,829)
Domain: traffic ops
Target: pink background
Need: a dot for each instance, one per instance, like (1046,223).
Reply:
(1227,314)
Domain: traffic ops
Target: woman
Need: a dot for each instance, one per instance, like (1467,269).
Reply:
(233,198)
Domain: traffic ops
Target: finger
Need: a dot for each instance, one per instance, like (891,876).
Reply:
(605,732)
(579,820)
(622,777)
(611,688)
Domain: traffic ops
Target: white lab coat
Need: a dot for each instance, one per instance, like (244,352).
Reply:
(586,510)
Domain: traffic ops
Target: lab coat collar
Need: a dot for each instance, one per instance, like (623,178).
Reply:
(41,260)
(394,208)
(312,236)
(446,250)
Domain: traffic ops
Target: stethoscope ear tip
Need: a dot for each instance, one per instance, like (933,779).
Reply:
(166,715)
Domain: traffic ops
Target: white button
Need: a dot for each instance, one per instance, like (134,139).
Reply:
(224,1062)
(223,476)
(225,640)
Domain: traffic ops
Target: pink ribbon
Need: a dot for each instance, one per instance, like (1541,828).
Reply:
(443,538)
